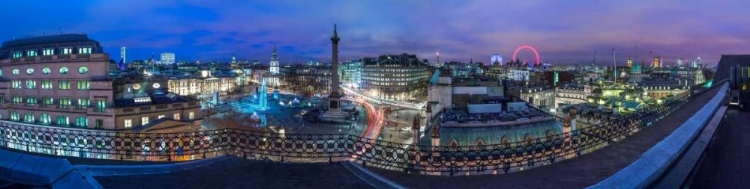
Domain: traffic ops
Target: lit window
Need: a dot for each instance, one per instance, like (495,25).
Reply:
(82,122)
(30,84)
(160,116)
(45,119)
(31,100)
(47,52)
(144,120)
(46,84)
(64,102)
(191,115)
(17,54)
(83,85)
(66,50)
(62,120)
(29,71)
(82,102)
(128,123)
(48,101)
(63,85)
(31,53)
(16,84)
(84,50)
(63,70)
(176,116)
(46,70)
(16,71)
(28,118)
(15,116)
(83,70)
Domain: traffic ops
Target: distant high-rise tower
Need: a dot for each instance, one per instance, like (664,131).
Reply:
(274,65)
(630,62)
(437,59)
(698,62)
(122,54)
(679,62)
(234,63)
(657,62)
(167,58)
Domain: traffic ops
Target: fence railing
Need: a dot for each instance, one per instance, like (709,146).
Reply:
(443,160)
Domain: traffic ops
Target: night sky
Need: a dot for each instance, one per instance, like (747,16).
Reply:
(562,31)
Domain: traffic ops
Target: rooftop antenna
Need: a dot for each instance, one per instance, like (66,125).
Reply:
(594,62)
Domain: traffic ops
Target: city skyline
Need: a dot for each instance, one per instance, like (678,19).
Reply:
(460,31)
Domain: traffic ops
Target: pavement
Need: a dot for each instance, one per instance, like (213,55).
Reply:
(727,160)
(240,173)
(579,172)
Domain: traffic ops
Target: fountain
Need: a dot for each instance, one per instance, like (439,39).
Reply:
(263,100)
(276,93)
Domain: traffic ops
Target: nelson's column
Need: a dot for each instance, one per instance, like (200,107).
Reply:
(334,98)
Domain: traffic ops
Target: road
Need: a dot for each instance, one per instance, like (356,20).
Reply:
(403,104)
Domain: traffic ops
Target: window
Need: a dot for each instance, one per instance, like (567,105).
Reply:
(29,71)
(1,73)
(16,72)
(2,99)
(31,100)
(47,52)
(63,70)
(46,84)
(99,124)
(191,115)
(63,85)
(84,50)
(17,100)
(83,70)
(14,116)
(128,123)
(64,102)
(16,84)
(45,119)
(176,116)
(82,122)
(28,118)
(48,101)
(160,116)
(83,102)
(66,50)
(82,85)
(17,54)
(30,84)
(46,70)
(31,53)
(101,104)
(144,120)
(62,120)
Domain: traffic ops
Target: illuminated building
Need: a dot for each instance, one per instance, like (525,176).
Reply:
(63,81)
(167,58)
(476,112)
(657,62)
(630,62)
(122,55)
(395,77)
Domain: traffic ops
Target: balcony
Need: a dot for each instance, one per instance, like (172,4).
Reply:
(81,107)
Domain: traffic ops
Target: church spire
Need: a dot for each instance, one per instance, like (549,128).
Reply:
(275,55)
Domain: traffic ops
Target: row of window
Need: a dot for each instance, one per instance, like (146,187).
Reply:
(82,102)
(145,120)
(46,119)
(51,51)
(47,84)
(46,70)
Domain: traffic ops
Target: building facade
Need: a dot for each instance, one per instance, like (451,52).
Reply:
(63,80)
(398,77)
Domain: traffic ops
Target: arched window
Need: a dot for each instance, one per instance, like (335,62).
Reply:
(44,119)
(62,120)
(454,144)
(82,122)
